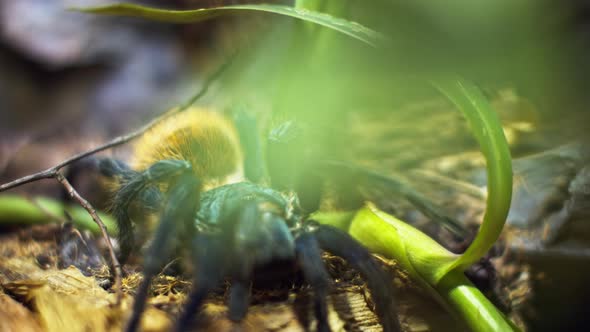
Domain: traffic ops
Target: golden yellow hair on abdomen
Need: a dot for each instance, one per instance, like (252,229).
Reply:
(206,139)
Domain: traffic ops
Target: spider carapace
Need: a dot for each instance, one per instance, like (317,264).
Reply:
(189,171)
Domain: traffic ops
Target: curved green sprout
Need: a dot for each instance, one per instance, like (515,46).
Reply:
(488,131)
(427,262)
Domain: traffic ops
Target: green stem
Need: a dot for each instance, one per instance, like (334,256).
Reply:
(420,256)
(465,301)
(40,210)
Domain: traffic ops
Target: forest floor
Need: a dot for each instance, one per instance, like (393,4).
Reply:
(53,277)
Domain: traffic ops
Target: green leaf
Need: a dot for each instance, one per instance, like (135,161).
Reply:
(486,128)
(349,28)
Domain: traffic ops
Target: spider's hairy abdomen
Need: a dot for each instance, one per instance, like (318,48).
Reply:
(206,139)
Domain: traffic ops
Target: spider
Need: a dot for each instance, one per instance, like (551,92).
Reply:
(191,169)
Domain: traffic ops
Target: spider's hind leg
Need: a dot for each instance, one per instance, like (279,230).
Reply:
(177,218)
(342,244)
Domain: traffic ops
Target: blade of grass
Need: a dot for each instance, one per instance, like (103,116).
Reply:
(16,209)
(349,28)
(486,128)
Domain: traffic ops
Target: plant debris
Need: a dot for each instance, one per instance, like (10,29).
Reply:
(37,294)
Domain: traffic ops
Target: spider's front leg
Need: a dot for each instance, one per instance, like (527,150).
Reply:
(216,254)
(211,262)
(137,186)
(251,233)
(177,218)
(261,236)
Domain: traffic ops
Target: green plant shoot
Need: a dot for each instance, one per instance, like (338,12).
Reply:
(428,262)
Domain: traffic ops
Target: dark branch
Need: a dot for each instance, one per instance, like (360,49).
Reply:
(103,229)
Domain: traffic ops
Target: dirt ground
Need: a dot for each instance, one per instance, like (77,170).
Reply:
(39,293)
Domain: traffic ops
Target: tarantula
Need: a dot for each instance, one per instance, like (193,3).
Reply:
(189,168)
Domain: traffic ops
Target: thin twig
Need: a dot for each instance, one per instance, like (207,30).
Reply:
(168,265)
(116,266)
(52,171)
